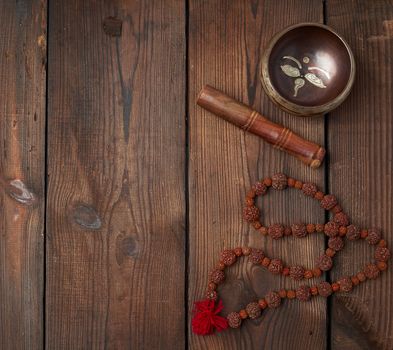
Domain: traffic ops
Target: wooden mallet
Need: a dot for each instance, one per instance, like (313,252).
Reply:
(246,118)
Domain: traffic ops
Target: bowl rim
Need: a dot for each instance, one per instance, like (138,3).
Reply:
(293,107)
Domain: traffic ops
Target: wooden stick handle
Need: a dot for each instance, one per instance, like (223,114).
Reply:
(249,120)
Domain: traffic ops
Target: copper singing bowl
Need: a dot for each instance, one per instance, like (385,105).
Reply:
(308,69)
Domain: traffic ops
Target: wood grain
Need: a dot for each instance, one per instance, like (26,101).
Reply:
(22,172)
(116,206)
(361,149)
(225,46)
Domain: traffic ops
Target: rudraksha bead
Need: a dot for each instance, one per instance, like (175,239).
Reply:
(256,256)
(303,293)
(299,230)
(260,188)
(279,181)
(228,257)
(309,189)
(328,202)
(251,213)
(371,271)
(275,266)
(296,272)
(336,243)
(341,219)
(345,284)
(331,229)
(335,229)
(382,254)
(234,320)
(374,236)
(324,289)
(275,231)
(273,299)
(353,232)
(253,310)
(217,276)
(324,262)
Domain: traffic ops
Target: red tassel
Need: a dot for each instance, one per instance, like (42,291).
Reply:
(205,320)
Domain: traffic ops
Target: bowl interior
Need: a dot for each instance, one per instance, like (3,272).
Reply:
(309,65)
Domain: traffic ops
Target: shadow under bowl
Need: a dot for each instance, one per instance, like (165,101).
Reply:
(308,69)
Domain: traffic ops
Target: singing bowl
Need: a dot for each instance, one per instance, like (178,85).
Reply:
(308,69)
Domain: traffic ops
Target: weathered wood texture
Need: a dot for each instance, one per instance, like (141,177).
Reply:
(361,152)
(116,196)
(116,205)
(22,172)
(225,45)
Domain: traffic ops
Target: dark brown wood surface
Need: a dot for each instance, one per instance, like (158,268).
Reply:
(116,202)
(22,172)
(226,44)
(361,169)
(116,148)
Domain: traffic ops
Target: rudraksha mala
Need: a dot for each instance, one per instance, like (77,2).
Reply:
(206,319)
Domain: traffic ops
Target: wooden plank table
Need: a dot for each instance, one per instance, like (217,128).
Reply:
(118,192)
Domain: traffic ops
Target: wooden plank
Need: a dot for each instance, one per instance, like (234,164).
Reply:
(22,172)
(361,151)
(116,212)
(225,46)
